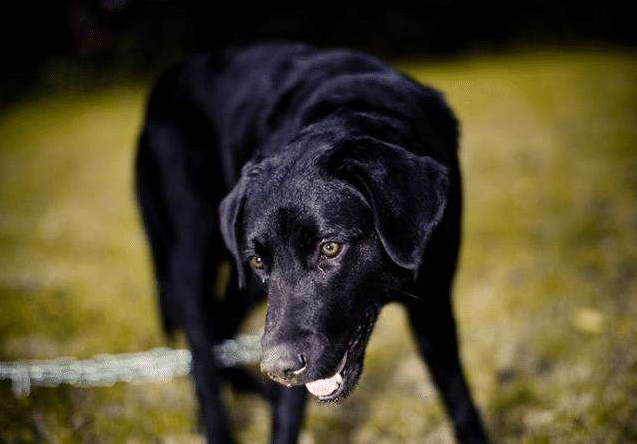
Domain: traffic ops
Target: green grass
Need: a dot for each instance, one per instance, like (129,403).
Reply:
(546,295)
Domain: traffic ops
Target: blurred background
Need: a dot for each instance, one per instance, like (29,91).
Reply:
(546,295)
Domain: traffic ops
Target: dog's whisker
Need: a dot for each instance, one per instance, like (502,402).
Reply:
(408,294)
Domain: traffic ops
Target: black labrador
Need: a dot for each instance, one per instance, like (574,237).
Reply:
(332,182)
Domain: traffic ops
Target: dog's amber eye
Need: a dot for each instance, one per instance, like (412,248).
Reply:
(331,249)
(256,262)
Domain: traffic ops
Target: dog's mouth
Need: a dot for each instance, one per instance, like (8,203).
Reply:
(343,381)
(328,387)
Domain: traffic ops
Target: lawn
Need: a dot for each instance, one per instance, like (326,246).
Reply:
(546,294)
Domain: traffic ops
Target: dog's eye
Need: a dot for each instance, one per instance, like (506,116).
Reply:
(256,262)
(331,249)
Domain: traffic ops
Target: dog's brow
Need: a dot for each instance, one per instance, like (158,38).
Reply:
(254,246)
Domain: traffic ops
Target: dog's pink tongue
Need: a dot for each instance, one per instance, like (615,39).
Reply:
(325,387)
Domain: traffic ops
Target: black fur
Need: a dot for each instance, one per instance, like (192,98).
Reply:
(270,151)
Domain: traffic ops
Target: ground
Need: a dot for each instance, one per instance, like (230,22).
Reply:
(546,294)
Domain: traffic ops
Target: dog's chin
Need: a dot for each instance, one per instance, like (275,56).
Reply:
(341,384)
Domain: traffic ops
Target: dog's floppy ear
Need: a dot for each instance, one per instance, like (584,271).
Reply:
(407,193)
(230,211)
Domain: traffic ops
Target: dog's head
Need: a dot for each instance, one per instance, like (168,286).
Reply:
(329,232)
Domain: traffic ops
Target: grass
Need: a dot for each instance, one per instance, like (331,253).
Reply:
(546,295)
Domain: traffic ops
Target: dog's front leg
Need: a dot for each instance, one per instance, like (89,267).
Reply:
(207,383)
(190,277)
(435,333)
(288,409)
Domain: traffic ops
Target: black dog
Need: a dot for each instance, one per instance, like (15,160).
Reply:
(335,179)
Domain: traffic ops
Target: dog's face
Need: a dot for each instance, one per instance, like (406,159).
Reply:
(329,232)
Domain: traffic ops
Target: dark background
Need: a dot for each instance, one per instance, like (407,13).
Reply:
(103,38)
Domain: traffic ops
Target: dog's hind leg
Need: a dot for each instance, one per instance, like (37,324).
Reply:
(158,231)
(288,409)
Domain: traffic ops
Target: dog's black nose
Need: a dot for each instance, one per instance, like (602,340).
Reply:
(283,363)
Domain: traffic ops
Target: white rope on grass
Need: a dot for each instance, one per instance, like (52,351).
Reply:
(104,370)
